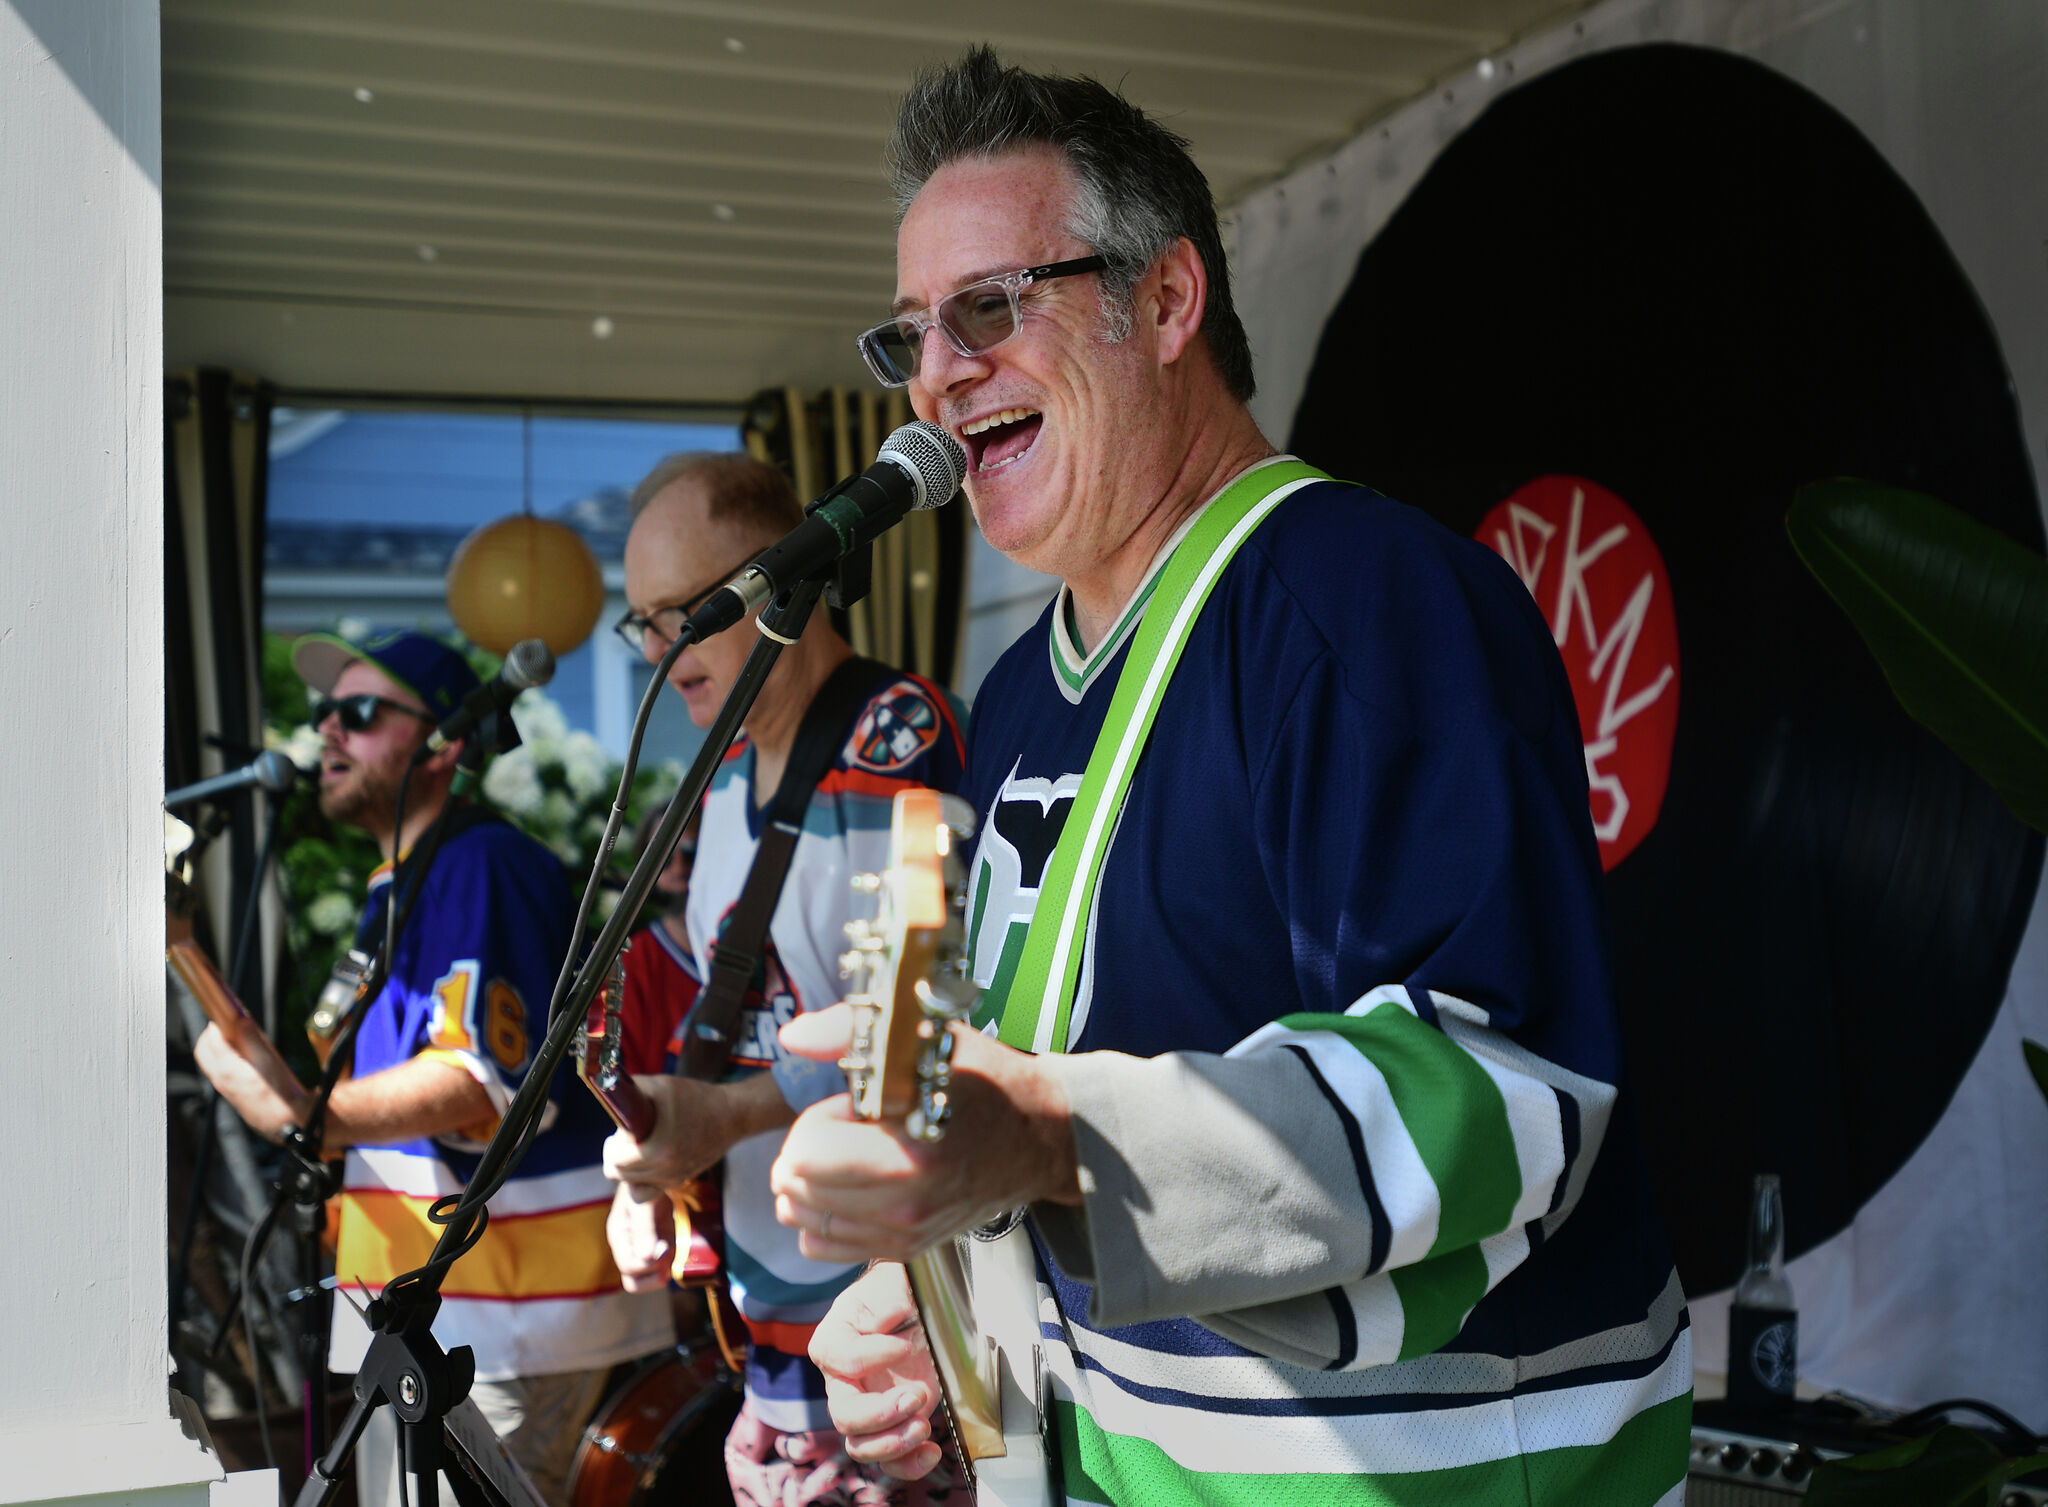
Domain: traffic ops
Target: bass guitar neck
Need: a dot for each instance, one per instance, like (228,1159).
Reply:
(911,984)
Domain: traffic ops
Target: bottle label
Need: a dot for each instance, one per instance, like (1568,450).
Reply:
(1763,1353)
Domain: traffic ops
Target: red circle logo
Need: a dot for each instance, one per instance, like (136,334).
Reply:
(1597,575)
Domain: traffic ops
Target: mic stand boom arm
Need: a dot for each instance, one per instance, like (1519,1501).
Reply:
(405,1365)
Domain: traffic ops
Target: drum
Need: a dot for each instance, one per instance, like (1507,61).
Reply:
(659,1438)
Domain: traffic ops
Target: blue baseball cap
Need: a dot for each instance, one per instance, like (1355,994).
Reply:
(433,671)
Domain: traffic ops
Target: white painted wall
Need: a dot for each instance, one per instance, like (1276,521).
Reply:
(83,1401)
(1936,1291)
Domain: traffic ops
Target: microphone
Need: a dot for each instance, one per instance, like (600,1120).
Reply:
(920,466)
(530,663)
(269,770)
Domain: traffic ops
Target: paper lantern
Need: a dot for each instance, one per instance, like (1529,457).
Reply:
(525,577)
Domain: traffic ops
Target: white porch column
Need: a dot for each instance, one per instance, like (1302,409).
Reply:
(83,1401)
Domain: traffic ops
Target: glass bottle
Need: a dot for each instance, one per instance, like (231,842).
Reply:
(1763,1322)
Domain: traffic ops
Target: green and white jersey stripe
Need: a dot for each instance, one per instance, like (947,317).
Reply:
(1463,1136)
(1464,1140)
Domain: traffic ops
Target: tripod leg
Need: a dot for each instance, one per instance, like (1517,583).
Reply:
(325,1477)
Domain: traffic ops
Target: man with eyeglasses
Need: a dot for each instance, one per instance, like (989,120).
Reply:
(696,520)
(438,1056)
(1286,905)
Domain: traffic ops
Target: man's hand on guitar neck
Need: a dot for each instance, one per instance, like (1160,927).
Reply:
(695,1124)
(880,1383)
(857,1191)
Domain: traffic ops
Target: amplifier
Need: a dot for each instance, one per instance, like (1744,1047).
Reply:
(1730,1469)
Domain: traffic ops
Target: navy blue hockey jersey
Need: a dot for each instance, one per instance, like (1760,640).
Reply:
(1359,834)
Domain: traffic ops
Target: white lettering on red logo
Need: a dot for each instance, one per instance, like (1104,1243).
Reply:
(1599,579)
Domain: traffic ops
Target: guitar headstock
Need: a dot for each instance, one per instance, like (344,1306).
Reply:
(907,969)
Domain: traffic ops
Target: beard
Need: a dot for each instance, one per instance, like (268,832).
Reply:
(366,797)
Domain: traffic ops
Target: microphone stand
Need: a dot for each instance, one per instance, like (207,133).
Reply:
(405,1366)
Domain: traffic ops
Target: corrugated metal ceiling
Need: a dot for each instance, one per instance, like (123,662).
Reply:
(673,199)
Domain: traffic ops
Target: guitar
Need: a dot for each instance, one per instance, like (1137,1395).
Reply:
(910,982)
(599,1062)
(184,956)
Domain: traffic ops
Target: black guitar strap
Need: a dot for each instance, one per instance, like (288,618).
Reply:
(712,1026)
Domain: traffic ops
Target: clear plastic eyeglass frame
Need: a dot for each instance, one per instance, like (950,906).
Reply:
(973,319)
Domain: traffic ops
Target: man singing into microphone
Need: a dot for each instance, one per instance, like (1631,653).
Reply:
(1286,901)
(697,520)
(438,1057)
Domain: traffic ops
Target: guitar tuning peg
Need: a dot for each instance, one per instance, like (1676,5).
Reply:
(851,963)
(867,884)
(856,929)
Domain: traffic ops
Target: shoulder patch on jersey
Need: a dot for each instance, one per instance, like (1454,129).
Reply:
(896,727)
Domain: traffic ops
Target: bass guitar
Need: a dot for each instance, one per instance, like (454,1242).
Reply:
(977,1297)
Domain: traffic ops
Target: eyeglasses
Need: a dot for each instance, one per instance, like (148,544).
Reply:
(358,713)
(666,622)
(976,318)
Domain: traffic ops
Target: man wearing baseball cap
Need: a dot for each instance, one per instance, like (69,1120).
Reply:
(438,1056)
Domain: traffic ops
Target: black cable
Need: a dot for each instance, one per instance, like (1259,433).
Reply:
(472,1208)
(463,1216)
(617,818)
(2024,1440)
(258,1237)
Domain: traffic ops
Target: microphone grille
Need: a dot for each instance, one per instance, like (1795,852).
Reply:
(934,459)
(275,772)
(530,663)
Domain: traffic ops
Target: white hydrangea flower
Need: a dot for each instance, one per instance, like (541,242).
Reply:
(538,718)
(513,784)
(557,812)
(585,766)
(601,909)
(331,914)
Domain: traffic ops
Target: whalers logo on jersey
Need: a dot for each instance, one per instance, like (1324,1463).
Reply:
(1017,840)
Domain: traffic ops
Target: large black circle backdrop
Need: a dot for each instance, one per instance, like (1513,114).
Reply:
(1675,273)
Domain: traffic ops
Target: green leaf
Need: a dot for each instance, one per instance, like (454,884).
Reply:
(2037,1063)
(1951,1467)
(1956,615)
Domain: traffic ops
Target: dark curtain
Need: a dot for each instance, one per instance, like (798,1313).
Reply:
(216,453)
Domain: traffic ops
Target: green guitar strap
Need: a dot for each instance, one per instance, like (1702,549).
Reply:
(1038,1009)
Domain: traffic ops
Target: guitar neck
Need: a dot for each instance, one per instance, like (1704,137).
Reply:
(196,972)
(598,1060)
(631,1110)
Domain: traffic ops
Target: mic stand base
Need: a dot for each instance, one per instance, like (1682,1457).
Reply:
(427,1390)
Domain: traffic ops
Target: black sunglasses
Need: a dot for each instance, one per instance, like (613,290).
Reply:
(358,713)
